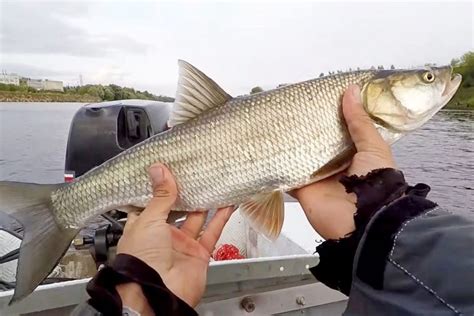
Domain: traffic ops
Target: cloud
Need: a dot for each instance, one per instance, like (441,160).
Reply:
(239,45)
(107,73)
(28,70)
(54,28)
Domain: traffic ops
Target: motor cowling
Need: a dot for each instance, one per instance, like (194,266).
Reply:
(100,131)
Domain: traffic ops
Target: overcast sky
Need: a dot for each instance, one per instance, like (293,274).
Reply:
(238,44)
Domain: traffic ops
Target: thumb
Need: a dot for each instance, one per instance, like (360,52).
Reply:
(361,127)
(165,192)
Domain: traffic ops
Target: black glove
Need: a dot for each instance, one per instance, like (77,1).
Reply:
(380,203)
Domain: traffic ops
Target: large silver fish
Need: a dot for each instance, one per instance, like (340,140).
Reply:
(225,151)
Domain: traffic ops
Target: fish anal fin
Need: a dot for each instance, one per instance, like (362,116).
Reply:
(172,217)
(196,93)
(265,212)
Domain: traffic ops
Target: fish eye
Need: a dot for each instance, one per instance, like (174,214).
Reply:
(428,77)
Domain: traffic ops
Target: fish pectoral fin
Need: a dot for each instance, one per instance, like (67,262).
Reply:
(338,164)
(129,209)
(196,94)
(265,212)
(44,240)
(173,216)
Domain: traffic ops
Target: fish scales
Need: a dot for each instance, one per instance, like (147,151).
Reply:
(251,144)
(225,151)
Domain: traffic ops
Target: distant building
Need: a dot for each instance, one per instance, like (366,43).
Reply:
(53,85)
(45,84)
(35,84)
(10,79)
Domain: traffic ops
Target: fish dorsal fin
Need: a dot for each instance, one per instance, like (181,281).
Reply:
(196,93)
(265,213)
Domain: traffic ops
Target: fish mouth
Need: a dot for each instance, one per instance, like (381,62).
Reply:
(452,86)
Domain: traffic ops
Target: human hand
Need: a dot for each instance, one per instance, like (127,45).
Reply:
(180,255)
(328,207)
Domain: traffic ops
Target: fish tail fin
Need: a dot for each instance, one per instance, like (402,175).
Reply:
(44,241)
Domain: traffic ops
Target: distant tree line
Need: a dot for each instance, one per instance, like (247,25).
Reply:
(256,90)
(114,92)
(464,66)
(103,93)
(14,88)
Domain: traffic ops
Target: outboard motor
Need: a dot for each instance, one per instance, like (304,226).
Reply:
(100,131)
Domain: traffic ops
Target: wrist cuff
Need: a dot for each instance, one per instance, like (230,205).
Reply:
(126,269)
(378,188)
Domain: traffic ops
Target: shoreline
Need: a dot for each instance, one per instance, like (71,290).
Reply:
(48,97)
(18,96)
(459,107)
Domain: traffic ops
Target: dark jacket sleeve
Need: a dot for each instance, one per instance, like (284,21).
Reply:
(409,257)
(427,268)
(105,300)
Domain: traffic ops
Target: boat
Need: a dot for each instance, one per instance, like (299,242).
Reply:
(274,277)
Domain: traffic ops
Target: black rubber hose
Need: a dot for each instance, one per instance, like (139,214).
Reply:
(12,255)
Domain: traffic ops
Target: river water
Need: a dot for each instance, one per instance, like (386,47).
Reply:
(33,139)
